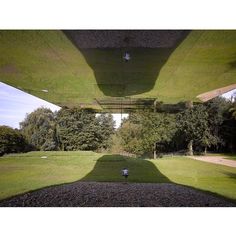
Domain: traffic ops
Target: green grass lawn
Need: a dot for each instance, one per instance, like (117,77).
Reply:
(231,157)
(37,60)
(25,172)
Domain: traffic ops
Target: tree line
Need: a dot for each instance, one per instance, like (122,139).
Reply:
(68,129)
(208,126)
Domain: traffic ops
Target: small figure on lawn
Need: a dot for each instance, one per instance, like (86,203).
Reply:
(125,173)
(126,56)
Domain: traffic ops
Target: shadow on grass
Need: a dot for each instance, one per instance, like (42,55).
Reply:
(117,78)
(108,169)
(230,175)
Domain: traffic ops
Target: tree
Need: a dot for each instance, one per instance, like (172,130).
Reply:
(216,109)
(11,141)
(74,127)
(146,132)
(39,128)
(232,110)
(80,129)
(208,139)
(192,124)
(106,130)
(195,126)
(228,129)
(199,127)
(131,137)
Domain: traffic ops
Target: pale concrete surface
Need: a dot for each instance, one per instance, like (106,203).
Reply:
(216,160)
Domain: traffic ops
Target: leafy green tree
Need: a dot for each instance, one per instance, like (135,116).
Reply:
(228,129)
(39,128)
(192,123)
(75,129)
(80,129)
(106,130)
(146,132)
(216,108)
(11,141)
(199,127)
(208,139)
(117,146)
(131,137)
(195,126)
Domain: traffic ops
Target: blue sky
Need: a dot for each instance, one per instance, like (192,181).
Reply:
(229,94)
(15,104)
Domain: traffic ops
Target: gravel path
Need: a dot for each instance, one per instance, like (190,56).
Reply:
(94,194)
(216,160)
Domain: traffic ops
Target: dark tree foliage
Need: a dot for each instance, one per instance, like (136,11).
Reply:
(218,110)
(193,123)
(11,141)
(228,129)
(39,128)
(232,109)
(75,129)
(210,125)
(80,129)
(106,130)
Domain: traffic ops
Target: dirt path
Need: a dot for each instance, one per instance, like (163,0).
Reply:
(216,159)
(214,93)
(94,194)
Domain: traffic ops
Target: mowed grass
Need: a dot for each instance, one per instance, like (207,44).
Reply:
(21,173)
(47,60)
(232,158)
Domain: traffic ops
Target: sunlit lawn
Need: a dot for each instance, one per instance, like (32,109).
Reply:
(25,172)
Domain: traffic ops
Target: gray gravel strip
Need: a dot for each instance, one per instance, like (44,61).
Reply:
(95,194)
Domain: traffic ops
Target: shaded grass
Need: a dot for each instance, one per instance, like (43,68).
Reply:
(231,158)
(26,172)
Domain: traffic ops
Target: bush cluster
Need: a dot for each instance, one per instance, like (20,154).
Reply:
(12,141)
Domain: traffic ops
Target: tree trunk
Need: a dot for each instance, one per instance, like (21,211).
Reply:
(155,105)
(189,104)
(205,151)
(190,148)
(154,152)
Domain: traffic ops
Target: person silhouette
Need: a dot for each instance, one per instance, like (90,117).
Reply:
(125,172)
(127,57)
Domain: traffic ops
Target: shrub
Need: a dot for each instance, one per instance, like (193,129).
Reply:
(11,141)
